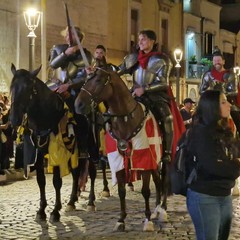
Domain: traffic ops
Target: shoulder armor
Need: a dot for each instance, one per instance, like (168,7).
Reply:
(131,60)
(57,50)
(155,63)
(161,65)
(56,58)
(205,83)
(60,48)
(128,62)
(231,83)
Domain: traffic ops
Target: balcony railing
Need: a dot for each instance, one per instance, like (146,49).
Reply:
(196,70)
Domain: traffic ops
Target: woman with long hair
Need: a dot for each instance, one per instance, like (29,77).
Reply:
(217,153)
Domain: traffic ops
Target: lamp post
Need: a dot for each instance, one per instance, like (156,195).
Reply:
(178,57)
(31,17)
(236,70)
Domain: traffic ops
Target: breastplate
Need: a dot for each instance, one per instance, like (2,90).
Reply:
(143,77)
(76,67)
(149,75)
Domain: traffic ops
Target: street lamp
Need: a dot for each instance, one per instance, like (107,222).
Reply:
(31,17)
(236,70)
(178,57)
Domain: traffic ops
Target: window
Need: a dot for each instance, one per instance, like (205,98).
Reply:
(164,34)
(134,29)
(208,43)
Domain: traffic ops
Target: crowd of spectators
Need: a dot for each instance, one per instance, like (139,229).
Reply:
(6,135)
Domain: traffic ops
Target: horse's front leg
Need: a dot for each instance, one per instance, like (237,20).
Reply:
(146,175)
(41,180)
(57,183)
(106,191)
(92,198)
(121,179)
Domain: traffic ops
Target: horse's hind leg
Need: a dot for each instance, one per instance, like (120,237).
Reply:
(41,180)
(57,183)
(130,186)
(165,182)
(121,177)
(157,183)
(159,212)
(92,198)
(83,177)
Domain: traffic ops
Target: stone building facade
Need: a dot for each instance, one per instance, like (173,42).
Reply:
(114,24)
(111,23)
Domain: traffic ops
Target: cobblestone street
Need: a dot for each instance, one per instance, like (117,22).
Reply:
(19,201)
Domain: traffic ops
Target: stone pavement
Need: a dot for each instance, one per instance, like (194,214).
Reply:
(19,201)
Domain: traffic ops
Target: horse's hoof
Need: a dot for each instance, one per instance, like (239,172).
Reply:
(119,227)
(131,188)
(70,208)
(105,194)
(159,213)
(148,226)
(91,208)
(163,217)
(54,217)
(156,213)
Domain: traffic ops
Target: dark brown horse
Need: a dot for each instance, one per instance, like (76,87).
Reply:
(44,109)
(127,120)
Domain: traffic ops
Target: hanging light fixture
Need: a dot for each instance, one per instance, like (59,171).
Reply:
(178,57)
(32,18)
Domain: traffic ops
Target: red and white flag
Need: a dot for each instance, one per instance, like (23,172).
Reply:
(145,152)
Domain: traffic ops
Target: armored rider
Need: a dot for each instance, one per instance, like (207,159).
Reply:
(150,70)
(69,59)
(224,80)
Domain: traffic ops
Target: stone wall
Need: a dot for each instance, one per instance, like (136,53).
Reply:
(104,22)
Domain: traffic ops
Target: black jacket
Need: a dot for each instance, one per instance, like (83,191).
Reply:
(217,169)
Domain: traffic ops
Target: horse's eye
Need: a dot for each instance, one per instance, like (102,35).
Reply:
(99,80)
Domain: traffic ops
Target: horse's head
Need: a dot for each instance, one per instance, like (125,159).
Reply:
(21,90)
(97,88)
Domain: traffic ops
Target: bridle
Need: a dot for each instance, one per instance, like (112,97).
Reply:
(95,96)
(43,134)
(32,94)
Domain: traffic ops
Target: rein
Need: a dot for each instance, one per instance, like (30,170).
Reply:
(39,135)
(108,116)
(94,97)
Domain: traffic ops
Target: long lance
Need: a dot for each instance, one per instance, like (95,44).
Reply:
(68,24)
(71,29)
(85,60)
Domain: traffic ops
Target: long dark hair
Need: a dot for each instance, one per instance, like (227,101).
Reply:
(208,113)
(208,110)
